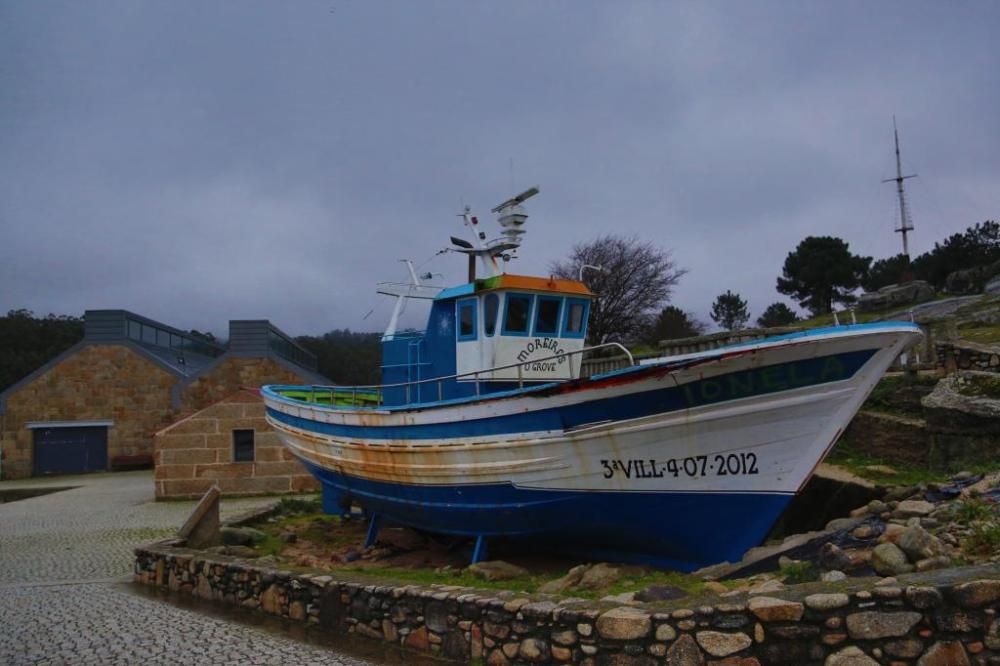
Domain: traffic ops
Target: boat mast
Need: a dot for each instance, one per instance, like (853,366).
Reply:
(402,291)
(905,223)
(511,216)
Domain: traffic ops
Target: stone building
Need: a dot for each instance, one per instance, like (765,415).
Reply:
(97,405)
(228,444)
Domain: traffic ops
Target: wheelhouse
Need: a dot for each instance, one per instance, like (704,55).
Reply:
(491,335)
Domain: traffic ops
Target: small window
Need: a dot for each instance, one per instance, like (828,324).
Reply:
(518,315)
(491,307)
(243,446)
(134,330)
(547,318)
(148,334)
(576,319)
(467,320)
(162,338)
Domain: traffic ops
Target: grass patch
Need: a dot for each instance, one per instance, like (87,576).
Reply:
(860,464)
(983,541)
(885,397)
(630,582)
(984,335)
(290,506)
(633,582)
(271,545)
(799,572)
(453,577)
(974,510)
(980,387)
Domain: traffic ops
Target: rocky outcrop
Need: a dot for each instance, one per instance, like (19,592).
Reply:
(896,295)
(971,280)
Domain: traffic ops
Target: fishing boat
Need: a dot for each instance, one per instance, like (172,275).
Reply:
(487,424)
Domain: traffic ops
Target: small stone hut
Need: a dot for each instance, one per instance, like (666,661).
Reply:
(96,406)
(228,444)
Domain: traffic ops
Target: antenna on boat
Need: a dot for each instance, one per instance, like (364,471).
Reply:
(403,290)
(511,217)
(905,222)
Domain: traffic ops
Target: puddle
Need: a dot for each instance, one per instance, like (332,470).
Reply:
(16,494)
(340,642)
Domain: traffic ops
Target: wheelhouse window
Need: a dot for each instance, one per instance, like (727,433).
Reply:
(491,307)
(518,314)
(467,320)
(575,320)
(243,445)
(547,316)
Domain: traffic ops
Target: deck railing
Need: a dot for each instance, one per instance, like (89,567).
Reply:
(372,394)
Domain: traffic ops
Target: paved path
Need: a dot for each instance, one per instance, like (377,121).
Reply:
(63,559)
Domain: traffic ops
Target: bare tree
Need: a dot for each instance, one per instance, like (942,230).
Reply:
(633,284)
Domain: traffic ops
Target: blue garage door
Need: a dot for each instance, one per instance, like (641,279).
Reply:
(71,450)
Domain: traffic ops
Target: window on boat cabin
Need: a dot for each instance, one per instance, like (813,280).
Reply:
(491,307)
(575,320)
(467,319)
(243,445)
(547,315)
(518,314)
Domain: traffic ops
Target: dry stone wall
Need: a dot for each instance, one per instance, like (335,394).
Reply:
(952,356)
(929,624)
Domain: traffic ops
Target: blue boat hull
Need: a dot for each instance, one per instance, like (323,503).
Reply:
(682,531)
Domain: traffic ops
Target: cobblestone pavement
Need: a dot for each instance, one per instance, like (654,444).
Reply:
(63,557)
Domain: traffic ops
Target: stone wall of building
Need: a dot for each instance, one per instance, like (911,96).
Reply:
(946,624)
(231,374)
(97,382)
(197,452)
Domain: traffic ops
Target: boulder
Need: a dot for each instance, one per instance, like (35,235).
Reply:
(896,295)
(971,280)
(889,560)
(241,536)
(965,401)
(919,544)
(599,576)
(660,593)
(496,570)
(831,557)
(570,580)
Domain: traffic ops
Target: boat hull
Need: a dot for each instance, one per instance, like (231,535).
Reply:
(684,462)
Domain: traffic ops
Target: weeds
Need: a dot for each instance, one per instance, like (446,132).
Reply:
(799,572)
(973,509)
(983,541)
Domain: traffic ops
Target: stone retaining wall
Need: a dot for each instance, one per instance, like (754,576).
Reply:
(952,356)
(926,624)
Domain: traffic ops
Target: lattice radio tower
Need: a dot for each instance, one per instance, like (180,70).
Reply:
(905,222)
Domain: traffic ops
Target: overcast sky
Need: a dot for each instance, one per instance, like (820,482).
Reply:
(197,162)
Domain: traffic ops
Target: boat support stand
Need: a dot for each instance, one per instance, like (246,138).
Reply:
(479,551)
(373,527)
(375,524)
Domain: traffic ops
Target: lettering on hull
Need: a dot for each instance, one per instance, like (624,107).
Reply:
(732,464)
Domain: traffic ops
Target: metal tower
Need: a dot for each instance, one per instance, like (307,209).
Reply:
(905,223)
